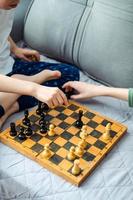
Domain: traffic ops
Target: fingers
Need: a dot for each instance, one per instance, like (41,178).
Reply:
(70,85)
(77,97)
(64,98)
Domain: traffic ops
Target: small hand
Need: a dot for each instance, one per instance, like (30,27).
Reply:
(52,96)
(26,54)
(83,90)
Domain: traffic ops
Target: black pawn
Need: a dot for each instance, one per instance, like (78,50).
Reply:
(43,128)
(79,122)
(26,120)
(28,131)
(42,119)
(21,135)
(13,131)
(39,109)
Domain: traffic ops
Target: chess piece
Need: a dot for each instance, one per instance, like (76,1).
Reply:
(26,120)
(39,109)
(79,149)
(83,141)
(21,135)
(71,154)
(43,128)
(42,120)
(79,122)
(106,136)
(45,107)
(51,131)
(76,170)
(83,131)
(28,131)
(13,131)
(46,153)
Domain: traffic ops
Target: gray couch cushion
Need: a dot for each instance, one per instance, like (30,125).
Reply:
(95,35)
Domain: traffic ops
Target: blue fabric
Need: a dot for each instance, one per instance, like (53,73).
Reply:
(69,73)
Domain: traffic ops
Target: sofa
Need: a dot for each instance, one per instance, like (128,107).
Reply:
(96,36)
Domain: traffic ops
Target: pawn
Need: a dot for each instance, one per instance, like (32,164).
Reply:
(83,141)
(51,131)
(106,136)
(79,149)
(71,155)
(76,170)
(43,128)
(28,131)
(79,122)
(26,120)
(83,131)
(13,131)
(46,153)
(21,135)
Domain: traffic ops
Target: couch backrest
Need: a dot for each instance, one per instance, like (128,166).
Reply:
(95,35)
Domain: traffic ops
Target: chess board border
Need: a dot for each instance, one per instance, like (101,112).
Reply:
(76,180)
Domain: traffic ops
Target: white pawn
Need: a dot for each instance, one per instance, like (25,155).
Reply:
(83,141)
(79,149)
(106,136)
(71,154)
(76,170)
(83,131)
(46,153)
(51,131)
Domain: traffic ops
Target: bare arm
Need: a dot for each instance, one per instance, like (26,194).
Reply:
(85,91)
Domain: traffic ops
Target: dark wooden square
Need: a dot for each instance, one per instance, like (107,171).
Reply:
(54,147)
(92,124)
(68,145)
(56,159)
(99,144)
(89,115)
(36,137)
(38,148)
(60,108)
(62,116)
(88,156)
(73,107)
(66,135)
(96,134)
(34,118)
(64,125)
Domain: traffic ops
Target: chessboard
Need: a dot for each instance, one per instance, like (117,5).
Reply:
(54,147)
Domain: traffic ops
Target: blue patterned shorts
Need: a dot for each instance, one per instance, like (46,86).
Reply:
(69,73)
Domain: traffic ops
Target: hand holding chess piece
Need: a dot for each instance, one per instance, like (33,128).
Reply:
(76,170)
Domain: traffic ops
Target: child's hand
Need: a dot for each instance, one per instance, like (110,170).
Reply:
(52,96)
(83,90)
(26,54)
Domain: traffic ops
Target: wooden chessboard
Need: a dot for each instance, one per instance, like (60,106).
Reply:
(67,135)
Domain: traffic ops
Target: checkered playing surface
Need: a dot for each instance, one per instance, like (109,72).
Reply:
(67,135)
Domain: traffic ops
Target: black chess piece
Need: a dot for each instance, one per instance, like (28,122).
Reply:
(26,120)
(42,119)
(43,128)
(28,131)
(39,109)
(13,131)
(45,107)
(21,135)
(79,122)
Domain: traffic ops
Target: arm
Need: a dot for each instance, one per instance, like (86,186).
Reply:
(85,91)
(50,95)
(25,54)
